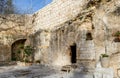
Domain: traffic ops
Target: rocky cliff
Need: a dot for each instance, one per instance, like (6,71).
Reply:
(90,26)
(67,32)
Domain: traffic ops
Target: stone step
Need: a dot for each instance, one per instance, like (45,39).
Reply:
(69,68)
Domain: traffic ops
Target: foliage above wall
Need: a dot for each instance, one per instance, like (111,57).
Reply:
(25,53)
(116,34)
(104,55)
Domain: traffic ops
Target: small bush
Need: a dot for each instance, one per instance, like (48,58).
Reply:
(117,34)
(28,50)
(104,55)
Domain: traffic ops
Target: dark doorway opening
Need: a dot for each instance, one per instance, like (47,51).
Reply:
(73,53)
(15,49)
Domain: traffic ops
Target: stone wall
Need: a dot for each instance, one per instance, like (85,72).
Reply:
(12,28)
(57,13)
(65,23)
(106,23)
(88,24)
(57,43)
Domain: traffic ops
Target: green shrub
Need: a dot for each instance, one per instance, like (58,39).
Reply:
(28,50)
(104,55)
(117,34)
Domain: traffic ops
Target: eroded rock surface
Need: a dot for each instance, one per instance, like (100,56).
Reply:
(67,32)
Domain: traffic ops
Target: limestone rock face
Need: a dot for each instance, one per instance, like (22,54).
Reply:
(106,22)
(67,32)
(89,29)
(12,28)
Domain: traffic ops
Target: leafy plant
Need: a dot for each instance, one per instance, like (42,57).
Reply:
(104,55)
(117,34)
(28,50)
(26,53)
